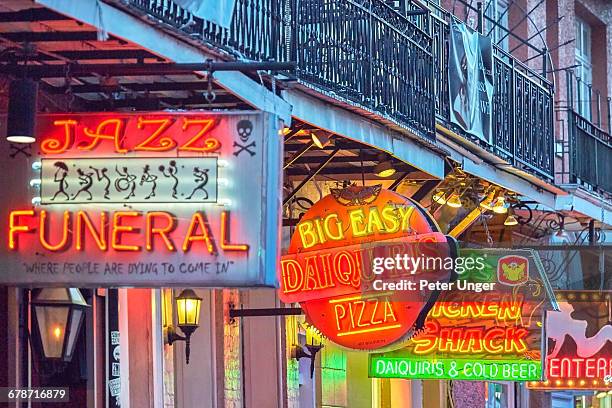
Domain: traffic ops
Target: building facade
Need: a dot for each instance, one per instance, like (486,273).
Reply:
(456,105)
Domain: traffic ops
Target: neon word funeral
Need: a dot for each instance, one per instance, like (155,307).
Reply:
(130,231)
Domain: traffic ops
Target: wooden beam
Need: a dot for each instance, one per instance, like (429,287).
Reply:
(31,15)
(425,189)
(52,36)
(398,181)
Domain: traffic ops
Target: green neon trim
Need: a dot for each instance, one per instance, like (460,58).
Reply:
(455,369)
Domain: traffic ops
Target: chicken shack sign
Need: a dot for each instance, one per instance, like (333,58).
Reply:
(143,199)
(486,336)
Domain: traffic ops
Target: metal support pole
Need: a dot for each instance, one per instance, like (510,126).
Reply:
(515,26)
(598,107)
(591,232)
(54,71)
(480,13)
(297,155)
(310,176)
(425,189)
(398,181)
(609,115)
(276,311)
(578,95)
(570,90)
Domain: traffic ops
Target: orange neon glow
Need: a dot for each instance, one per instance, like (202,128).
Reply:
(339,271)
(98,136)
(319,270)
(43,232)
(208,145)
(119,132)
(362,315)
(225,228)
(152,230)
(198,220)
(83,221)
(328,265)
(57,332)
(15,228)
(119,229)
(377,329)
(470,340)
(359,222)
(54,146)
(508,307)
(164,143)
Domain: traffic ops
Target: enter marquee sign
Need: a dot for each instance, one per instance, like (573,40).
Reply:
(143,199)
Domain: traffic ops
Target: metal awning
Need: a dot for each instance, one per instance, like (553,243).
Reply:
(58,45)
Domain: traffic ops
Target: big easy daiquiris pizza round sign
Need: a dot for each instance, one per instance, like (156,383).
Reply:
(334,266)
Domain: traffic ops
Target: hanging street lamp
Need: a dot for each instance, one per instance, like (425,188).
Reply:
(384,168)
(58,314)
(21,115)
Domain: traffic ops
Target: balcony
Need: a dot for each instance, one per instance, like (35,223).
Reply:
(370,57)
(587,149)
(522,122)
(358,52)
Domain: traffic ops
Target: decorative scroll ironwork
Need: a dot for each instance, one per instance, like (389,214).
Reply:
(589,145)
(590,154)
(358,51)
(366,53)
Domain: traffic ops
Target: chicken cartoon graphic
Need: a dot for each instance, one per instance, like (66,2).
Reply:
(513,270)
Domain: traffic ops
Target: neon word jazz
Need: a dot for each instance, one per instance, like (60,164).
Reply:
(131,133)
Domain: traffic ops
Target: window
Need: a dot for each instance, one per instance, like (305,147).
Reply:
(584,69)
(497,10)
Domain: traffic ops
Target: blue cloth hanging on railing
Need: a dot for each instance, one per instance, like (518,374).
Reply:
(217,11)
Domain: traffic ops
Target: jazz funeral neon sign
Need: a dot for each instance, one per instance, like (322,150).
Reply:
(173,186)
(328,267)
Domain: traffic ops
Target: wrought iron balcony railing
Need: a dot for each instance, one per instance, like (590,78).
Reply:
(366,54)
(587,154)
(522,122)
(362,52)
